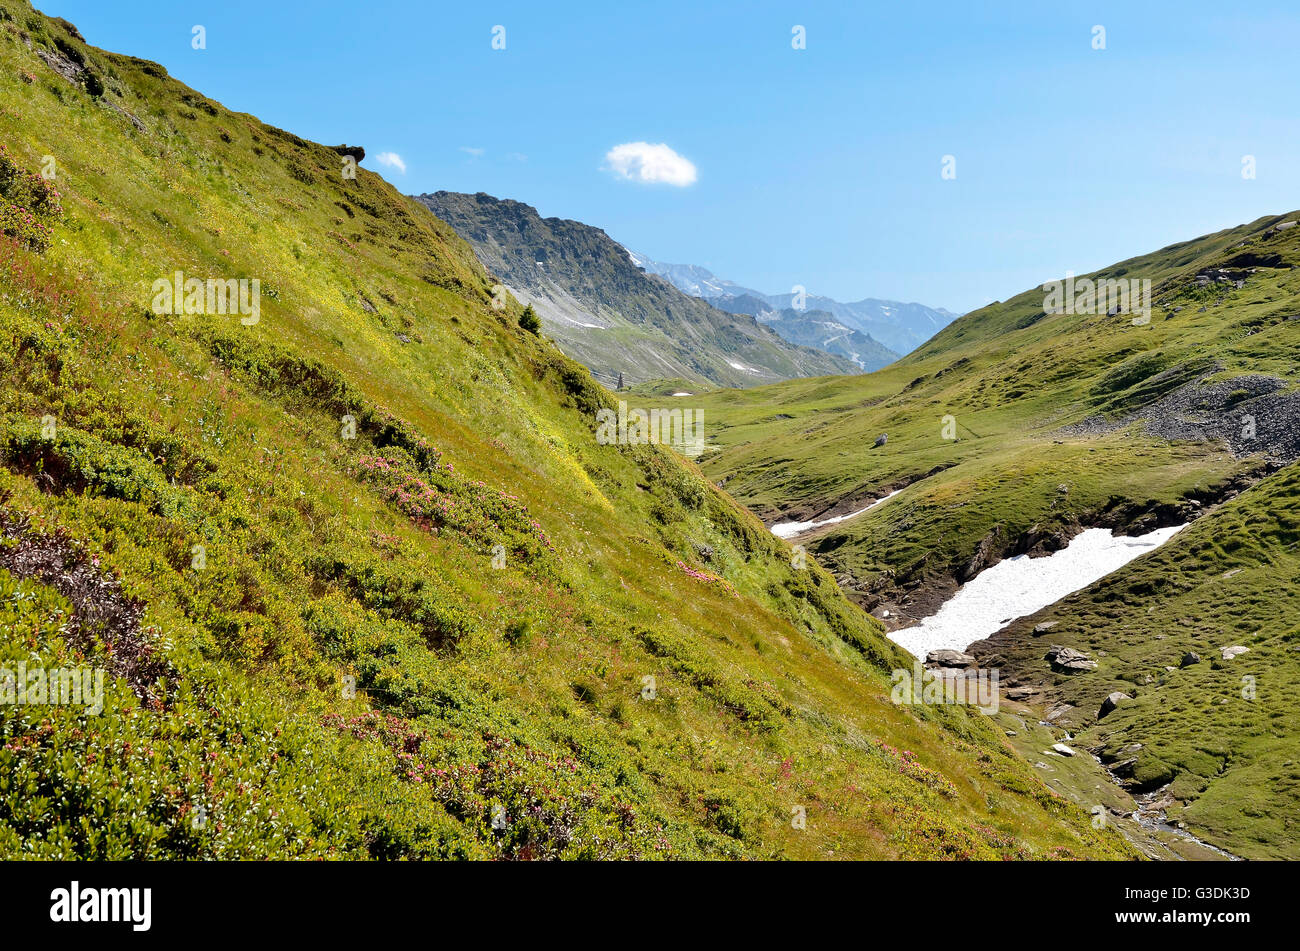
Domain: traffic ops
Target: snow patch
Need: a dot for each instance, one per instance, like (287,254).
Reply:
(791,529)
(1022,585)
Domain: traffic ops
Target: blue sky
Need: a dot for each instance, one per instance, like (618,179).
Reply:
(819,167)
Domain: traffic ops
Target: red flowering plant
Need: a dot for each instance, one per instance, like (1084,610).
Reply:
(439,499)
(29,205)
(707,578)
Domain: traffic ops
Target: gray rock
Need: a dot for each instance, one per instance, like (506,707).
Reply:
(1231,652)
(1191,657)
(1058,711)
(1020,693)
(950,658)
(1067,660)
(1062,749)
(882,439)
(1111,702)
(1045,626)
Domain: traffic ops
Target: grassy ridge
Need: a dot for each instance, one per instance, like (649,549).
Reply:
(498,712)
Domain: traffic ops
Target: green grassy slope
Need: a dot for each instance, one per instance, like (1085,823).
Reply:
(180,505)
(1064,421)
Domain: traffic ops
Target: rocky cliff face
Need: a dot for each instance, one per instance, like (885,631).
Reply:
(605,311)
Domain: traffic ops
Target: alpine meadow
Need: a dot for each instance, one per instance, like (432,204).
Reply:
(352,509)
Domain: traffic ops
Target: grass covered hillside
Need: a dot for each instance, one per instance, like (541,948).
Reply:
(1012,430)
(361,579)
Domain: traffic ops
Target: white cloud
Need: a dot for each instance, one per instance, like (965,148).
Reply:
(392,160)
(650,164)
(471,150)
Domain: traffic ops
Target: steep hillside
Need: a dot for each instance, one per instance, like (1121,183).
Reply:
(361,578)
(900,327)
(608,315)
(1016,427)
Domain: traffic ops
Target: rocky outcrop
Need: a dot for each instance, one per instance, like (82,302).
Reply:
(1067,660)
(950,658)
(986,554)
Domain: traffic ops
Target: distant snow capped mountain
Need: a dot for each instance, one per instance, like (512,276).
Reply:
(901,327)
(691,278)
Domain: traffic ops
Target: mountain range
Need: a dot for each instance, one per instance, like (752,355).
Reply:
(901,328)
(604,312)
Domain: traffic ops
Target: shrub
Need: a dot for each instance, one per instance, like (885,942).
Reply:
(29,205)
(528,320)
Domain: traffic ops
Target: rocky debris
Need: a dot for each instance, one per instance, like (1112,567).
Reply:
(1251,414)
(881,440)
(1230,652)
(1067,660)
(1111,702)
(1190,658)
(1062,749)
(950,658)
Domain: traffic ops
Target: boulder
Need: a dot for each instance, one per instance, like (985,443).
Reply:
(1191,657)
(1067,660)
(1111,702)
(1058,711)
(1231,652)
(1062,749)
(882,439)
(1020,693)
(950,658)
